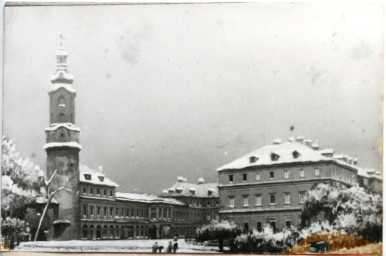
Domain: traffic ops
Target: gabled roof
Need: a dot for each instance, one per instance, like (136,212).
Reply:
(186,189)
(94,179)
(286,153)
(145,198)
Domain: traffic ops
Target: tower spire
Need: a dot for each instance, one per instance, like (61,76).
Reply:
(62,75)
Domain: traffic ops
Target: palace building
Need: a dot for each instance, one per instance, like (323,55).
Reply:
(92,208)
(268,186)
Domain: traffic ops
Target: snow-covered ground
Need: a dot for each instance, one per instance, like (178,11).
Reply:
(112,246)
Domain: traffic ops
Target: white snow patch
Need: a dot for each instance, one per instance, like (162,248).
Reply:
(71,144)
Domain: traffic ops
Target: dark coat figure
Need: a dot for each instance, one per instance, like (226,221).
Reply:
(175,245)
(169,249)
(155,247)
(160,248)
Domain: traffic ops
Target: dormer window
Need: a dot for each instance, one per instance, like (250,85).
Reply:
(87,176)
(295,154)
(253,159)
(192,191)
(101,178)
(274,157)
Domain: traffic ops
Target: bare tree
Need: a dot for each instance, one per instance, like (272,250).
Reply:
(50,195)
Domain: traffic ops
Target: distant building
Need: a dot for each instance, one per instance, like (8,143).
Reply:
(202,199)
(268,186)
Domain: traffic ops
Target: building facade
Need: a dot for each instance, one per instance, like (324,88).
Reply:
(269,185)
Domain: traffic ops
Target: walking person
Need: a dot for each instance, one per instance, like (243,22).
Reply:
(169,249)
(175,245)
(155,247)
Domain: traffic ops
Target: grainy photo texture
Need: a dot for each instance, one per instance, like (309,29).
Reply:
(193,128)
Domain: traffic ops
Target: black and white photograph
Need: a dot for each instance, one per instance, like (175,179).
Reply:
(224,128)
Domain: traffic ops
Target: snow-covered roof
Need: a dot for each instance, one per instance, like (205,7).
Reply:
(71,144)
(68,126)
(286,152)
(94,177)
(200,190)
(56,86)
(145,198)
(369,173)
(62,76)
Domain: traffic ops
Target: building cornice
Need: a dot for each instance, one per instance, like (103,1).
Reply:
(248,210)
(280,182)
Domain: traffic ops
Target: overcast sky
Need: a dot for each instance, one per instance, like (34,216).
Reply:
(170,90)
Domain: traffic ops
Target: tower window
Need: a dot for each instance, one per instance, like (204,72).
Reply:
(61,134)
(62,118)
(271,175)
(231,178)
(87,176)
(245,177)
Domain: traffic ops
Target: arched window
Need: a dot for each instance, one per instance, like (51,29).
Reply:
(61,102)
(62,118)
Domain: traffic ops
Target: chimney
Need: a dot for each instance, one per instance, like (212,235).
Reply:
(355,161)
(276,141)
(291,139)
(300,139)
(101,168)
(181,179)
(308,143)
(201,181)
(315,146)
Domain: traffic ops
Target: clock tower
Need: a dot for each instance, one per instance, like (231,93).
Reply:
(62,147)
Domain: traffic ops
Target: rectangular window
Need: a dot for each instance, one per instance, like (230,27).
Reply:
(246,227)
(104,192)
(116,211)
(302,197)
(287,198)
(111,193)
(98,210)
(91,210)
(105,211)
(272,199)
(245,201)
(271,175)
(286,174)
(288,223)
(245,177)
(317,172)
(259,226)
(98,192)
(301,173)
(111,211)
(84,210)
(231,202)
(258,200)
(91,191)
(84,191)
(230,178)
(273,225)
(258,176)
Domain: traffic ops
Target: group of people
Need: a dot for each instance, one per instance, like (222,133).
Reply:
(172,247)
